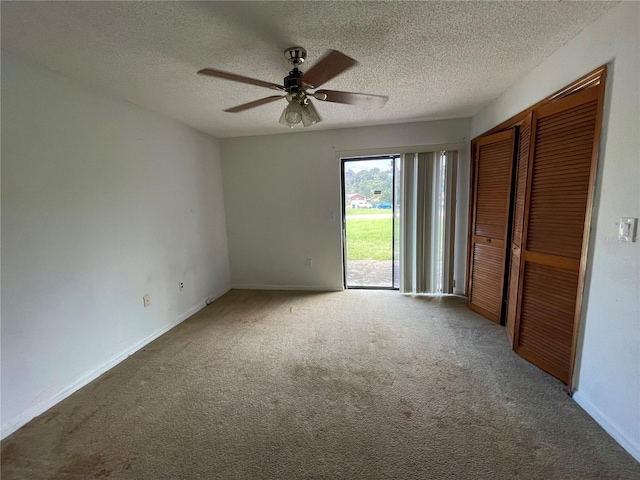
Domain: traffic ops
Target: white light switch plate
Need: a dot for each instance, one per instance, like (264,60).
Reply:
(627,229)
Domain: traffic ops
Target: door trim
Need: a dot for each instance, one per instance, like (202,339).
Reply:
(343,218)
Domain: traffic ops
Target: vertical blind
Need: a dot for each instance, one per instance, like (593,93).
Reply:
(427,192)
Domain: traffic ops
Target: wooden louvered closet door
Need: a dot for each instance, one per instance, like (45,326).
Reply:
(520,187)
(564,136)
(490,221)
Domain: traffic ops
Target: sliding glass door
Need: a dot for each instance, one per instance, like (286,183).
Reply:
(398,221)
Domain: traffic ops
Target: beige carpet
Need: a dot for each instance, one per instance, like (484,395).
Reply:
(349,385)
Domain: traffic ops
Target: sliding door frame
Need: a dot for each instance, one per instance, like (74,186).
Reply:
(394,158)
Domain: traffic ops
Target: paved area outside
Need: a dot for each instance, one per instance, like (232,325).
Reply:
(371,273)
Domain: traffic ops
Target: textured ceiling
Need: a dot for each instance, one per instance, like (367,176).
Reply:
(434,59)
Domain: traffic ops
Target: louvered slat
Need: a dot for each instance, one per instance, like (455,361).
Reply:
(559,192)
(487,278)
(521,183)
(570,122)
(512,295)
(547,314)
(575,116)
(494,170)
(517,226)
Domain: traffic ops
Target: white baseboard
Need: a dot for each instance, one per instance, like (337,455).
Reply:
(217,294)
(458,291)
(603,421)
(39,408)
(285,287)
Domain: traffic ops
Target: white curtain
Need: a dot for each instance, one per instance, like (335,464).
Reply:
(426,187)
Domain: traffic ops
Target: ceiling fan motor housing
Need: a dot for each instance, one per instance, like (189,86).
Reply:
(291,80)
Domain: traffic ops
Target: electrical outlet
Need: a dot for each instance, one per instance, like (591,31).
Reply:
(181,285)
(146,300)
(309,262)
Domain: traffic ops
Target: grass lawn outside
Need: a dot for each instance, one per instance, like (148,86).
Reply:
(367,211)
(369,239)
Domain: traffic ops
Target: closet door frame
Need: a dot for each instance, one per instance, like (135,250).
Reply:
(597,80)
(591,79)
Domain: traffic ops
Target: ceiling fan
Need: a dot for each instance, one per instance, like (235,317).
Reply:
(297,85)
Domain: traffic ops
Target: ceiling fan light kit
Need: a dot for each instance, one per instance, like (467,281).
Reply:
(291,115)
(300,108)
(309,115)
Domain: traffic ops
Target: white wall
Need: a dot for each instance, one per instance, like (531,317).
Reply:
(102,202)
(282,197)
(608,368)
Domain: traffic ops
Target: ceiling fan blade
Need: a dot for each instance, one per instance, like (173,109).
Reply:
(363,100)
(328,67)
(255,103)
(239,78)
